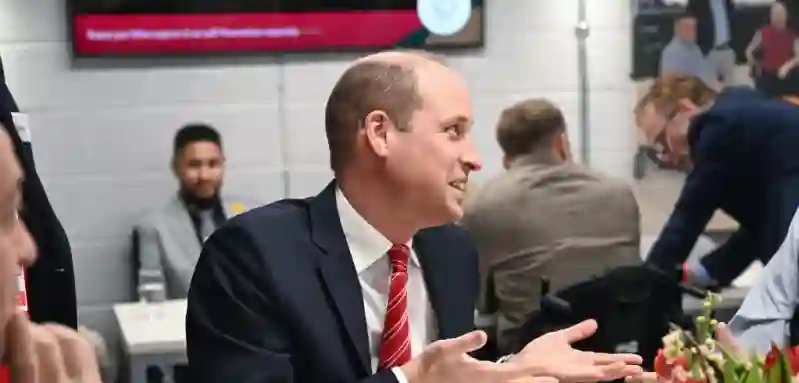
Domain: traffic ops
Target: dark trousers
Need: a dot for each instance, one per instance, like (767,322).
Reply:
(773,86)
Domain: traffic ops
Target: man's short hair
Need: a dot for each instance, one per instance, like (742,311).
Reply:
(192,133)
(669,88)
(529,125)
(683,16)
(365,87)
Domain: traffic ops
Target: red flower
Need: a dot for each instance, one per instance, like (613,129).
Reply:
(664,369)
(772,356)
(793,358)
(792,354)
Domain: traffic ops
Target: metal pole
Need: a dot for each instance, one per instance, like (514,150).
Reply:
(582,32)
(285,175)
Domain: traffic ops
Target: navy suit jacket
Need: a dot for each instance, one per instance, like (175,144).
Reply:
(275,296)
(51,280)
(745,150)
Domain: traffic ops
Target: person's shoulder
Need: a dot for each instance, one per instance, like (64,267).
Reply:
(278,216)
(152,217)
(455,235)
(601,182)
(235,205)
(496,190)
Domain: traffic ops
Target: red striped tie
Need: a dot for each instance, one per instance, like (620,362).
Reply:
(395,348)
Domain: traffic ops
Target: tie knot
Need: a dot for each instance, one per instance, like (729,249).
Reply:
(399,255)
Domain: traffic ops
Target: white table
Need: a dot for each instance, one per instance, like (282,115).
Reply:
(153,335)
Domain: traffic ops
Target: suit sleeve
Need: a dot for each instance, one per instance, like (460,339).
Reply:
(234,328)
(698,199)
(732,258)
(150,266)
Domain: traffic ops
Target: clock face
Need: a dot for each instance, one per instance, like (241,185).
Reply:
(444,17)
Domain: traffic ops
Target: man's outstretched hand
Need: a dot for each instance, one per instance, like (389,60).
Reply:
(552,355)
(548,359)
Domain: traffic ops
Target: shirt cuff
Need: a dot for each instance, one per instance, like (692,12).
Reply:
(701,276)
(401,378)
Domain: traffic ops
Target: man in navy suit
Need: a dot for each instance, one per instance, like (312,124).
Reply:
(744,153)
(369,281)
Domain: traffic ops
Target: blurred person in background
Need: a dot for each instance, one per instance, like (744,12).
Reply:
(51,280)
(773,54)
(48,353)
(740,147)
(171,237)
(683,56)
(546,216)
(714,35)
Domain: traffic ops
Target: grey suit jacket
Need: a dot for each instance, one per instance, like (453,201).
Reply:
(564,222)
(168,245)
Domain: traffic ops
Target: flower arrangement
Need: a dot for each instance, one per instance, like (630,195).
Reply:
(708,356)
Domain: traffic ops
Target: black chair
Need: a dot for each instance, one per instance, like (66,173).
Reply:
(633,306)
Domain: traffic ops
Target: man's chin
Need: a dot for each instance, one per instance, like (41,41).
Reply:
(455,211)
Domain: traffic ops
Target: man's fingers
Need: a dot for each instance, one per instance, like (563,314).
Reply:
(20,353)
(602,358)
(535,379)
(463,344)
(727,340)
(50,358)
(607,372)
(544,379)
(580,331)
(646,377)
(620,370)
(79,358)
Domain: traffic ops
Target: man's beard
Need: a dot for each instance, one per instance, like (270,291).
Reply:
(192,199)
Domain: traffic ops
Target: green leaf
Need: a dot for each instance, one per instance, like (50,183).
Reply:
(730,372)
(752,376)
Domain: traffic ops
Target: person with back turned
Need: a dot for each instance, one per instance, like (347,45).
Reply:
(370,280)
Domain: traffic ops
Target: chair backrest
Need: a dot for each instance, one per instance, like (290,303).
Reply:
(135,263)
(633,306)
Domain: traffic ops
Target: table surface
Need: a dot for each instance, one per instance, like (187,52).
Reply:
(152,327)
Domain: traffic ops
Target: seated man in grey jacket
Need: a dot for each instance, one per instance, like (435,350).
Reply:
(545,217)
(171,237)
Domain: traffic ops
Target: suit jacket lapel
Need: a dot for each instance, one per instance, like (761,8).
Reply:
(440,277)
(338,271)
(179,222)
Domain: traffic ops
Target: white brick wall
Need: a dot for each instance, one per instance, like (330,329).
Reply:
(102,131)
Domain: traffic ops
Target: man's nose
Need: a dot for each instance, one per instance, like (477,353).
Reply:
(26,247)
(472,158)
(205,173)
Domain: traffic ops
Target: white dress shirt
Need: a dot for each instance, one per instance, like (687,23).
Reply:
(766,313)
(369,251)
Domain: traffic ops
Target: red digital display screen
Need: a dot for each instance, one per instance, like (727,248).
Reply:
(166,27)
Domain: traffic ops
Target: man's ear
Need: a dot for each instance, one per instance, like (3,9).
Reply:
(564,146)
(686,105)
(376,126)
